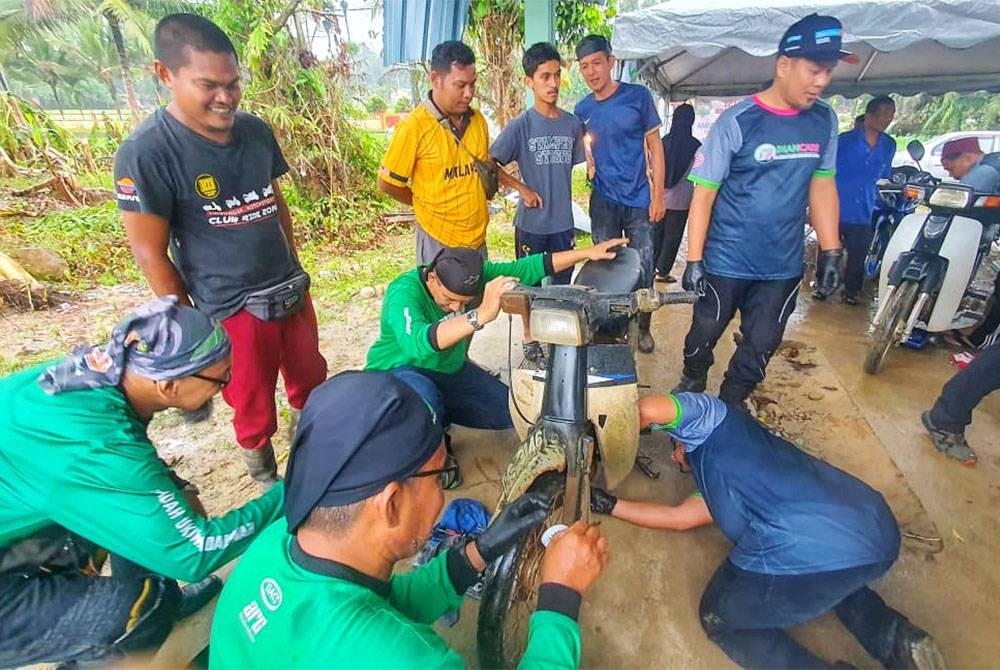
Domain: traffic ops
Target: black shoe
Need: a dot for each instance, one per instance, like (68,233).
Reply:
(914,649)
(646,342)
(850,299)
(691,384)
(952,445)
(197,595)
(453,479)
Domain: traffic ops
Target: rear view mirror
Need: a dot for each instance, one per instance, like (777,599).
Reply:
(915,149)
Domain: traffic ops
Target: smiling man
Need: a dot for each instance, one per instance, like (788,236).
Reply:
(765,161)
(197,183)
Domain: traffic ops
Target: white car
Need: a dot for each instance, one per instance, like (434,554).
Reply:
(989,141)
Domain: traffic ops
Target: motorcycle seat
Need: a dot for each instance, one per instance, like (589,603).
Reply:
(618,275)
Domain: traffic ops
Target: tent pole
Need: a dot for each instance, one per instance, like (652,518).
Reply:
(868,64)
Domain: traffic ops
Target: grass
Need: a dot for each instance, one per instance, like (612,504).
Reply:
(23,361)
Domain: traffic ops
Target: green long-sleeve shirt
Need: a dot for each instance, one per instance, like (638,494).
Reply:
(82,460)
(282,608)
(410,316)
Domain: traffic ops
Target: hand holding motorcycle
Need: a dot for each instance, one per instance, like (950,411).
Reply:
(827,273)
(513,523)
(603,250)
(694,277)
(601,502)
(575,557)
(490,305)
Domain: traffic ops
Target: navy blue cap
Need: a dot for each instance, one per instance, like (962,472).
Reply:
(460,270)
(358,432)
(818,38)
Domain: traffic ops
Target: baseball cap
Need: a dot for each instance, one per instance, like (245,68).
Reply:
(592,44)
(960,145)
(358,432)
(460,270)
(817,38)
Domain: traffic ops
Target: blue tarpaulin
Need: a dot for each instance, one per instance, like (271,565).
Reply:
(412,28)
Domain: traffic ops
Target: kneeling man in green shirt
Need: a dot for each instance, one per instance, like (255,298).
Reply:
(363,492)
(429,315)
(79,478)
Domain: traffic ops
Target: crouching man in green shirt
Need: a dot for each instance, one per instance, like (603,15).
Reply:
(429,315)
(363,492)
(79,478)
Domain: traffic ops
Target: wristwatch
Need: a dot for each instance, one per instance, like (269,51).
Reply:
(473,318)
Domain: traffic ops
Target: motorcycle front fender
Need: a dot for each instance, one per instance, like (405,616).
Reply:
(615,415)
(542,451)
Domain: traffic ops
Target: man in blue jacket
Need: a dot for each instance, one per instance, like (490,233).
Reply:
(807,538)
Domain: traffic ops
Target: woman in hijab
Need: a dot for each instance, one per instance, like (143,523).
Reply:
(679,147)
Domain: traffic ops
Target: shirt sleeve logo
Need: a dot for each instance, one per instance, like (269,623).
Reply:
(125,190)
(270,594)
(206,186)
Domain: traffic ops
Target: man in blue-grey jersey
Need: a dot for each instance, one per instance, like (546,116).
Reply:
(765,160)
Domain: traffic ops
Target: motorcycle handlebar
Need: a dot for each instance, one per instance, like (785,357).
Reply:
(678,297)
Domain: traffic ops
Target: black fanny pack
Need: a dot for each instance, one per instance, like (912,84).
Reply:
(281,301)
(52,549)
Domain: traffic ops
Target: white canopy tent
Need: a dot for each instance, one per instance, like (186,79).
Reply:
(687,48)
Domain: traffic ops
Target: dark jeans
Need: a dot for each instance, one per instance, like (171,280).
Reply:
(526,244)
(747,613)
(53,618)
(764,307)
(470,397)
(609,220)
(856,241)
(667,236)
(953,410)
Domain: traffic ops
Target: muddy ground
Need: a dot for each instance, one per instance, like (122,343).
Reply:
(643,612)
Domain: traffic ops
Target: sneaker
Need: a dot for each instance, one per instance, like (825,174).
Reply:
(961,359)
(197,595)
(914,648)
(646,342)
(952,445)
(691,384)
(850,299)
(533,353)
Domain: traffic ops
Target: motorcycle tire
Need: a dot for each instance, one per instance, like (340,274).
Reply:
(886,330)
(511,589)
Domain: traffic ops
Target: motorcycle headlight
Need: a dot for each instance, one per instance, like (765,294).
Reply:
(557,326)
(946,196)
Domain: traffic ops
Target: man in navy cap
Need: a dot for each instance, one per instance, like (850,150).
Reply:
(807,538)
(363,493)
(765,160)
(430,314)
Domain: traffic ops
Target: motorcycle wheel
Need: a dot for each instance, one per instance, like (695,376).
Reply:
(886,331)
(511,590)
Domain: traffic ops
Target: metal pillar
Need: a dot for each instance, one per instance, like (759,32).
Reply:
(539,26)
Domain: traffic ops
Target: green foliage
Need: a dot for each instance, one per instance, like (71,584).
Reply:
(926,115)
(30,138)
(402,105)
(91,239)
(575,20)
(376,104)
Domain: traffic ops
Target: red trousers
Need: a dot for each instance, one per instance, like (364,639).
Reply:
(260,350)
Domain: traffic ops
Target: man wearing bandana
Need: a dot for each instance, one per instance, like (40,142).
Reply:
(79,479)
(430,314)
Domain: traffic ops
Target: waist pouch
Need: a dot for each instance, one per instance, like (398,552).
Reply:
(52,549)
(281,301)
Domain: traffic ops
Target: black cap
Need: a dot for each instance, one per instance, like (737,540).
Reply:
(460,270)
(358,432)
(592,44)
(817,38)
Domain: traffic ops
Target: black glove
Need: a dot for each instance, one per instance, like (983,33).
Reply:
(827,273)
(513,523)
(601,502)
(694,277)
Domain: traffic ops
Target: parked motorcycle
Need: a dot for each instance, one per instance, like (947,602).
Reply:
(929,272)
(580,409)
(893,203)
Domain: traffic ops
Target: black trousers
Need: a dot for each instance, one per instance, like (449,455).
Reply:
(953,410)
(764,307)
(857,240)
(667,236)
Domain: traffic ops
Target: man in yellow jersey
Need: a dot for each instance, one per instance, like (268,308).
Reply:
(431,159)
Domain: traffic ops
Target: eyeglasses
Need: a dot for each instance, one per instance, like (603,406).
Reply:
(215,380)
(444,474)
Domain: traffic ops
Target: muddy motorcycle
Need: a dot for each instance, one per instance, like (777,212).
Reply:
(580,410)
(929,274)
(893,203)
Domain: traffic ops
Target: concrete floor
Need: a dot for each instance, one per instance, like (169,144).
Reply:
(643,611)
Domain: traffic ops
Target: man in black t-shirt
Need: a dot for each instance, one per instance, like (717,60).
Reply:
(198,179)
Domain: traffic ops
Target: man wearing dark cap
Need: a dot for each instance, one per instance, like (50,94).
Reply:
(808,538)
(430,313)
(624,160)
(765,160)
(79,478)
(364,491)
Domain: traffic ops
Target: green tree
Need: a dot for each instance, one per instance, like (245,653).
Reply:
(376,104)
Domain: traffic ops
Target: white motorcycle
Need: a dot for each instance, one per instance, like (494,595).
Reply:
(929,271)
